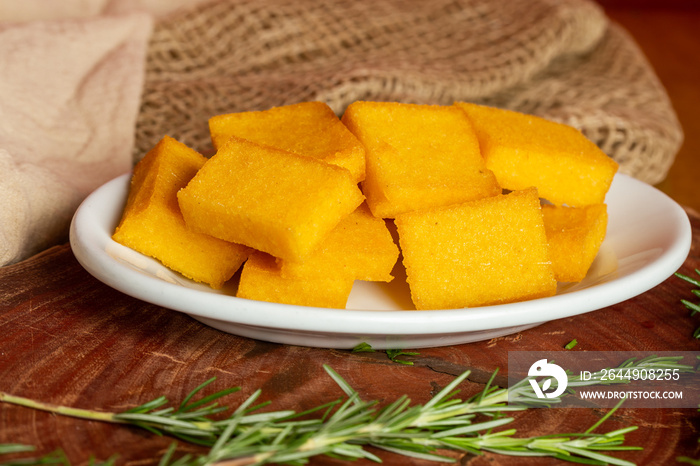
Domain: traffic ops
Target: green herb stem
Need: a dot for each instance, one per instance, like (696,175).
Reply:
(62,410)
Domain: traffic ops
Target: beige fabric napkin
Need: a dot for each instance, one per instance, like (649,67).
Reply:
(33,10)
(70,91)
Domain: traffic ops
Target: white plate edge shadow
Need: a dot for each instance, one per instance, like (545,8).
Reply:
(651,259)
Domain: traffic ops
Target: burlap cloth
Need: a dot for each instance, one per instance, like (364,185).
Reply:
(560,59)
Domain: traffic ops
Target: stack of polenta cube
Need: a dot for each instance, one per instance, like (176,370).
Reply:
(490,206)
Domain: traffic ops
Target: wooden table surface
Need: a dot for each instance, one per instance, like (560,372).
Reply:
(668,34)
(68,339)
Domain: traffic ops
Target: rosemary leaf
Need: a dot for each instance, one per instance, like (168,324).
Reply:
(363,348)
(7,448)
(571,344)
(694,308)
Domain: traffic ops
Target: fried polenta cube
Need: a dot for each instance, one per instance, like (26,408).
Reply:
(268,199)
(262,280)
(361,246)
(418,156)
(575,235)
(153,225)
(483,252)
(524,150)
(306,128)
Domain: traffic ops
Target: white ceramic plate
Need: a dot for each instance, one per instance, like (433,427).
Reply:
(648,239)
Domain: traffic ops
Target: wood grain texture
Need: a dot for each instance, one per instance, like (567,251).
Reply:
(68,339)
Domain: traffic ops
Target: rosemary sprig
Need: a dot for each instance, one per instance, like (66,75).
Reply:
(189,421)
(392,354)
(347,426)
(693,307)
